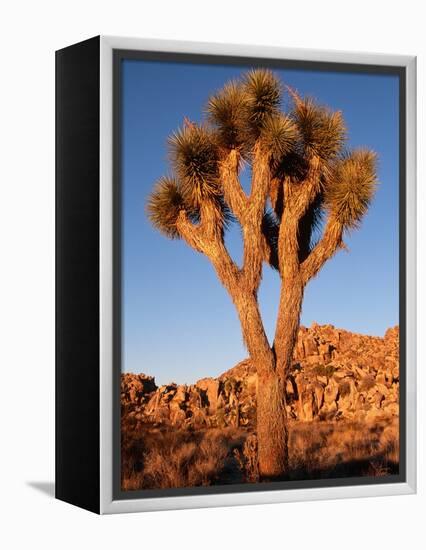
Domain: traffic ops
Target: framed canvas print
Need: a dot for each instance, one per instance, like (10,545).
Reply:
(235,280)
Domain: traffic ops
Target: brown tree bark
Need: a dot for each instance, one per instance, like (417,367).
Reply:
(297,167)
(272,363)
(288,323)
(271,421)
(272,433)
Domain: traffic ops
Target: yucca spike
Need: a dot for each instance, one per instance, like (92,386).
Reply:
(323,131)
(279,136)
(263,90)
(351,187)
(194,157)
(227,111)
(163,206)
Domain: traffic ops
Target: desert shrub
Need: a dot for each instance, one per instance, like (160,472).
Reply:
(166,458)
(209,460)
(221,417)
(132,447)
(167,468)
(343,449)
(171,459)
(247,459)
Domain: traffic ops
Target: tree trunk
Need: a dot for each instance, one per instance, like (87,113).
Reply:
(288,325)
(272,432)
(271,413)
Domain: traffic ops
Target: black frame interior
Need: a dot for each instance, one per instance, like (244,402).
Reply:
(77,458)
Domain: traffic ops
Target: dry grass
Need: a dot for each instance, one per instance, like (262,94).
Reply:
(170,459)
(344,449)
(159,459)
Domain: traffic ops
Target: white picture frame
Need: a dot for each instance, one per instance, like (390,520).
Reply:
(108,503)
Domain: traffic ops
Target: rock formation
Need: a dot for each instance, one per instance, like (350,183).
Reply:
(336,375)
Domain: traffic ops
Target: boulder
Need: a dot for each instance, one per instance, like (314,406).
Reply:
(211,388)
(335,374)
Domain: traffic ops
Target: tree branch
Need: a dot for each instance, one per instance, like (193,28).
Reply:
(208,240)
(232,190)
(300,196)
(191,233)
(261,182)
(254,334)
(253,235)
(297,198)
(323,251)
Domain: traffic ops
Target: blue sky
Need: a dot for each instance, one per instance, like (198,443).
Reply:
(178,322)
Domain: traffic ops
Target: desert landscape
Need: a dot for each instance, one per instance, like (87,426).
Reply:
(261,179)
(342,404)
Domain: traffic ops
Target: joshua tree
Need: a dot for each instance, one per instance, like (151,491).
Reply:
(306,191)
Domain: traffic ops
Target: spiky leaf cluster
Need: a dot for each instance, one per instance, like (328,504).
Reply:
(164,204)
(194,157)
(227,112)
(279,134)
(263,93)
(351,187)
(241,110)
(323,131)
(245,115)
